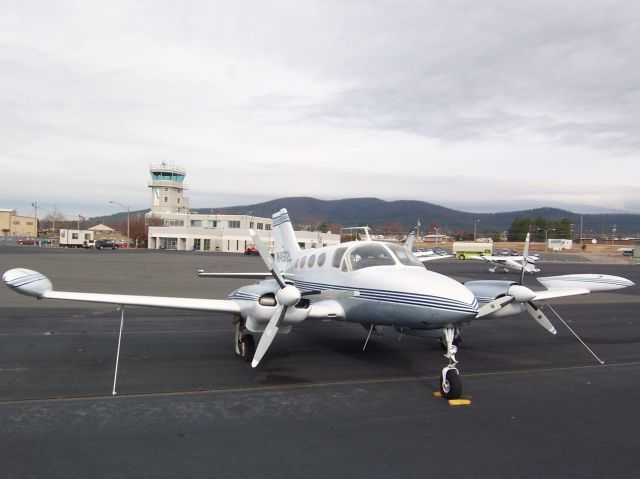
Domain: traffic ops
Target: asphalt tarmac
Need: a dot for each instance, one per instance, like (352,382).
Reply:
(317,406)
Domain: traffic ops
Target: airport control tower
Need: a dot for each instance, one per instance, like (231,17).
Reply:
(166,189)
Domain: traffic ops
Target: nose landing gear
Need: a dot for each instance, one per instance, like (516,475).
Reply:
(450,383)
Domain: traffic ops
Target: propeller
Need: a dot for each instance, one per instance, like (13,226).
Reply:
(518,293)
(287,296)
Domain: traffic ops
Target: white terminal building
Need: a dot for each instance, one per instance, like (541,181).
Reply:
(179,229)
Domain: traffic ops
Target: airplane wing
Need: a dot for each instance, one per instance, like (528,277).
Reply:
(488,258)
(266,275)
(434,257)
(504,298)
(328,309)
(32,283)
(558,293)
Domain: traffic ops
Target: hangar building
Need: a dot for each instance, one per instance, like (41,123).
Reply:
(15,225)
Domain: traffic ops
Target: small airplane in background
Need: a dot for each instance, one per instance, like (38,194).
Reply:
(426,255)
(516,263)
(364,282)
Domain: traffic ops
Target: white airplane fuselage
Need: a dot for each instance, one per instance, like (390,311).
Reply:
(396,294)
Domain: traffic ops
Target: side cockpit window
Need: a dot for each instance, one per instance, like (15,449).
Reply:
(405,258)
(337,256)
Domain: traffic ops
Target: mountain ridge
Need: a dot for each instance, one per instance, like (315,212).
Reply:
(310,211)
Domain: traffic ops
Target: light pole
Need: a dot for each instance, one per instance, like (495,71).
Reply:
(475,224)
(128,219)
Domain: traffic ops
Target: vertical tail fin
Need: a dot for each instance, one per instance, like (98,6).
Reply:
(408,243)
(286,248)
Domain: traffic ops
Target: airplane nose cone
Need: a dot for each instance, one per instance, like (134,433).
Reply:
(451,295)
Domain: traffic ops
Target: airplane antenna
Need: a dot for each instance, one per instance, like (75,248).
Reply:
(115,374)
(576,335)
(368,336)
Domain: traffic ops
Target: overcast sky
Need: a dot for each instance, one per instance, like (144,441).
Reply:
(479,106)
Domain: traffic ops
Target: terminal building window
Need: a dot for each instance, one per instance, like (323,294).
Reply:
(268,227)
(196,244)
(207,244)
(213,224)
(196,223)
(170,222)
(234,224)
(260,226)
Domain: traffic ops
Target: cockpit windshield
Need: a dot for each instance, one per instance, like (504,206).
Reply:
(370,254)
(376,254)
(404,256)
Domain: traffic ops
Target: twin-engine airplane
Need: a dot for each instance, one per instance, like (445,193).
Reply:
(365,282)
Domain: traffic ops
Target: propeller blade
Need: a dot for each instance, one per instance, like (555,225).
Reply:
(525,254)
(495,305)
(266,257)
(269,334)
(540,317)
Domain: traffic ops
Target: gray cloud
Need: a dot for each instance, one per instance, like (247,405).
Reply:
(253,98)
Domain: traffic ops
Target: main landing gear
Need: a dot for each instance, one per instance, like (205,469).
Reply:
(450,383)
(245,344)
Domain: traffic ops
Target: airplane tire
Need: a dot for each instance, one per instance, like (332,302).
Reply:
(460,256)
(452,389)
(247,348)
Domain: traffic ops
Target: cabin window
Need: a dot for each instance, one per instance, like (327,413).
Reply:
(303,261)
(312,260)
(370,254)
(321,259)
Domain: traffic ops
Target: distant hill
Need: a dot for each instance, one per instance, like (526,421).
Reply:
(358,211)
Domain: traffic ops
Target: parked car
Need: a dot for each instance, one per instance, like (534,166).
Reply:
(29,241)
(251,250)
(628,252)
(105,243)
(89,243)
